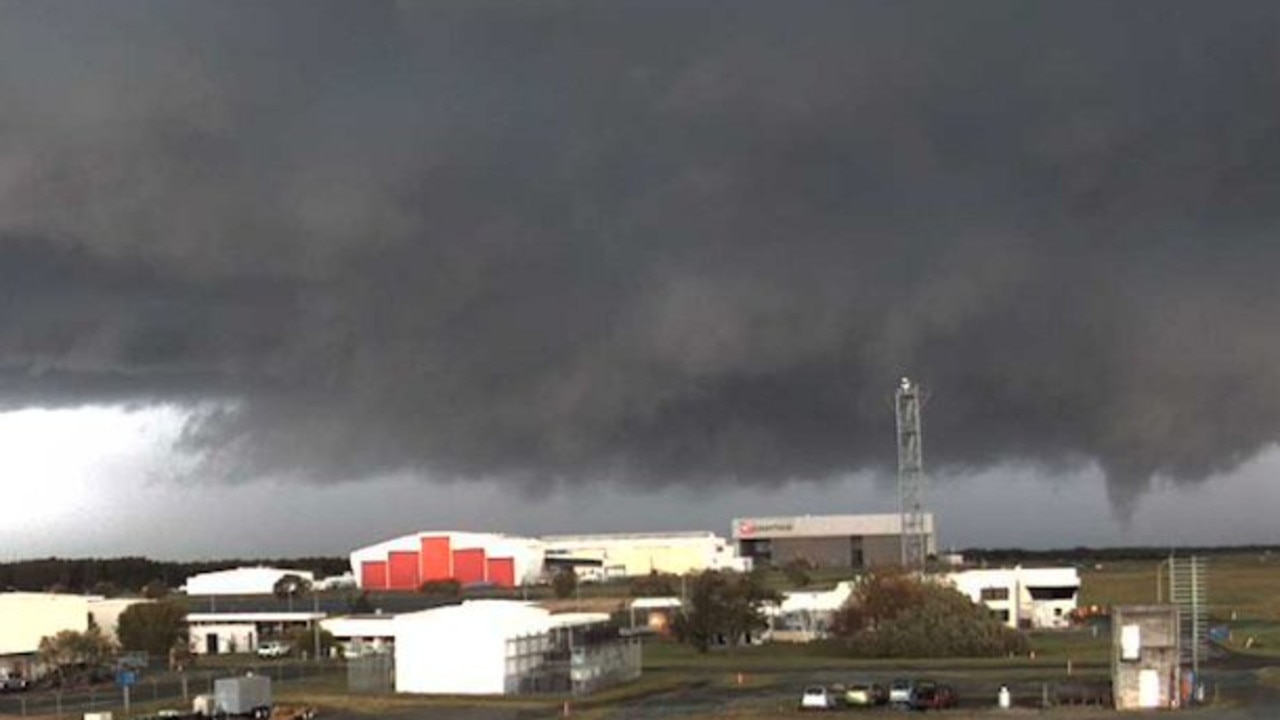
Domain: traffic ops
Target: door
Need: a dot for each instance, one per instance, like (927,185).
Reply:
(1148,688)
(211,644)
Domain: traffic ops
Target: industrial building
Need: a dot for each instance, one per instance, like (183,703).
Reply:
(505,647)
(1023,597)
(26,617)
(834,541)
(612,555)
(241,581)
(242,632)
(406,562)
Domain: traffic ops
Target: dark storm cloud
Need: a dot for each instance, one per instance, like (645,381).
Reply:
(666,242)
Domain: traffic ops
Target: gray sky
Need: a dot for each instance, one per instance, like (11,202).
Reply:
(637,264)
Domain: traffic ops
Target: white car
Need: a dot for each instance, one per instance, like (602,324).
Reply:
(273,649)
(816,697)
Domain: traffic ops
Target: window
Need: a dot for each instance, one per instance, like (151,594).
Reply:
(994,593)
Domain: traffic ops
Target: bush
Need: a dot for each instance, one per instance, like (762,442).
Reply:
(449,588)
(893,614)
(564,583)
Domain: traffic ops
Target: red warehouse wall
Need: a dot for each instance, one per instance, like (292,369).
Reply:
(469,566)
(502,571)
(402,571)
(437,561)
(373,575)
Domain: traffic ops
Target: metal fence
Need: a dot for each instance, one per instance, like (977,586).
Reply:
(174,689)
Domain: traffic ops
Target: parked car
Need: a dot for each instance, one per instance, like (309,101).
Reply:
(273,649)
(816,697)
(902,693)
(12,682)
(865,694)
(932,696)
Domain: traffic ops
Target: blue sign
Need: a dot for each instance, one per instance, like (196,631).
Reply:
(124,678)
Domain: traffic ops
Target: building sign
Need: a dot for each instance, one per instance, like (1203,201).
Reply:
(749,528)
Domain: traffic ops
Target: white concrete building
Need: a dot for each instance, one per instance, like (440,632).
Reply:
(501,647)
(1023,597)
(805,615)
(241,581)
(630,554)
(364,634)
(242,632)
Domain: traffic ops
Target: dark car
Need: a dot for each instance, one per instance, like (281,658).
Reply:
(933,696)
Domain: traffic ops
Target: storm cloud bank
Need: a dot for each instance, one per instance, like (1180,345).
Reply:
(659,242)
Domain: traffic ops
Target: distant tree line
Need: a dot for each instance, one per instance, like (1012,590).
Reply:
(129,575)
(1082,555)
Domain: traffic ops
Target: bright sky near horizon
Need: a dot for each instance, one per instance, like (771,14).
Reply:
(101,482)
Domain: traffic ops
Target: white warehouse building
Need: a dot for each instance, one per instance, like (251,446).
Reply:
(242,581)
(1023,597)
(409,561)
(630,554)
(506,647)
(26,617)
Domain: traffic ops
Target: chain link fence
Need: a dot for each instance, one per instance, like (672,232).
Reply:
(172,689)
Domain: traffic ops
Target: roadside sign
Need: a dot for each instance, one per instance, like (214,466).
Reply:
(125,678)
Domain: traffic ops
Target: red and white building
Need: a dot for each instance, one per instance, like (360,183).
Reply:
(406,562)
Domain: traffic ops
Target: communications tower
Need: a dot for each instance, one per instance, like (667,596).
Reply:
(911,475)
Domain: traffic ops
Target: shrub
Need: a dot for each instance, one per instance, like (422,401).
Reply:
(894,614)
(448,588)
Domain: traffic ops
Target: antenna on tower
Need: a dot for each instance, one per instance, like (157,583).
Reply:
(911,475)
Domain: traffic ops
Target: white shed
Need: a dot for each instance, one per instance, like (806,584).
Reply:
(242,581)
(497,647)
(462,649)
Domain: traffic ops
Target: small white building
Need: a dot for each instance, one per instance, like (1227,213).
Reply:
(1023,597)
(503,647)
(613,555)
(654,614)
(805,615)
(363,634)
(242,632)
(242,581)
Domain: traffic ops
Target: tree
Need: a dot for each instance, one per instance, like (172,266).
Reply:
(154,627)
(723,608)
(290,586)
(73,655)
(564,583)
(155,590)
(360,604)
(797,572)
(655,584)
(895,614)
(303,640)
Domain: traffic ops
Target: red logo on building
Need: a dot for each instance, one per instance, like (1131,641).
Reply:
(747,528)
